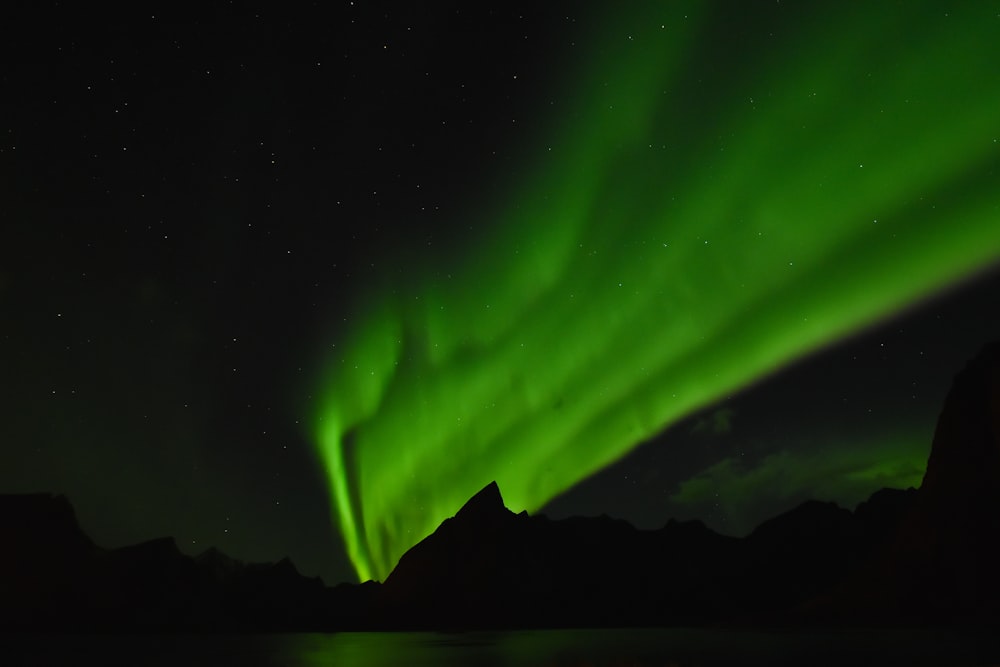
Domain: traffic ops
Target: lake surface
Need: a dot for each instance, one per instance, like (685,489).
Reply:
(549,648)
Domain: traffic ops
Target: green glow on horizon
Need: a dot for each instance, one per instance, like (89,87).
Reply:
(662,254)
(843,472)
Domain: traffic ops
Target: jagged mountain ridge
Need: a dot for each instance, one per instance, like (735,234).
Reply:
(923,556)
(902,557)
(490,568)
(485,567)
(53,577)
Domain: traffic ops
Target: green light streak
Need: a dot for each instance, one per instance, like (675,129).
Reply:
(678,242)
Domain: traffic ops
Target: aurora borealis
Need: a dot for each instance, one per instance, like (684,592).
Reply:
(675,232)
(297,280)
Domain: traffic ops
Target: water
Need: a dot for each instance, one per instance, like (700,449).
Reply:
(548,648)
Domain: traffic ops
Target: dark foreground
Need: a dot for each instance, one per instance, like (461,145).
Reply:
(610,647)
(918,558)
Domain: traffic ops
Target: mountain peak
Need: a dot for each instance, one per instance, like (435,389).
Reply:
(487,502)
(965,452)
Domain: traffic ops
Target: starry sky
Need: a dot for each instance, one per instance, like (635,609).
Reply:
(203,214)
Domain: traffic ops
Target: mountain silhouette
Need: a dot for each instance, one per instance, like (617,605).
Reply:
(903,557)
(939,564)
(926,556)
(53,577)
(490,568)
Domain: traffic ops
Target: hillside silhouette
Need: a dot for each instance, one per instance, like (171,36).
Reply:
(903,557)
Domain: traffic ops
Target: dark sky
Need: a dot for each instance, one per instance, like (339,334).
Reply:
(191,202)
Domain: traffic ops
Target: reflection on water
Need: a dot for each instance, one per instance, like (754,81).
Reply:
(644,648)
(550,648)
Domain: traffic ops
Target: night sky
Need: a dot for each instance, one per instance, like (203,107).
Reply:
(243,247)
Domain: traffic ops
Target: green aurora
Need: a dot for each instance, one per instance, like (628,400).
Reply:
(704,205)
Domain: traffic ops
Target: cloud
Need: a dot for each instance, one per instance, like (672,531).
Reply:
(735,495)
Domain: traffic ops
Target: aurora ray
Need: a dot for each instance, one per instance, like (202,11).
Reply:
(678,236)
